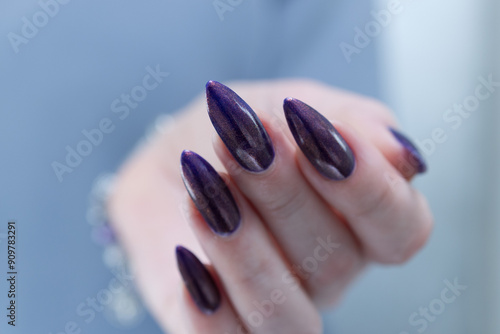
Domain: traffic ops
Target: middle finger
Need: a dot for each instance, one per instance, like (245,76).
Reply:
(323,251)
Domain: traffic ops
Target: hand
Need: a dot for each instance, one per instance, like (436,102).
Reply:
(307,222)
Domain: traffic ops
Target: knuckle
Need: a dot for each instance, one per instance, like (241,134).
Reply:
(399,253)
(256,271)
(339,267)
(419,230)
(375,203)
(423,231)
(283,205)
(379,110)
(399,257)
(365,108)
(347,264)
(327,288)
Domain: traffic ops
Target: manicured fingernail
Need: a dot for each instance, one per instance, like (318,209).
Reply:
(320,142)
(239,128)
(210,194)
(198,281)
(414,156)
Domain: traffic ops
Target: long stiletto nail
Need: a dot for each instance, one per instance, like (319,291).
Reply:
(320,142)
(210,194)
(414,156)
(239,128)
(198,281)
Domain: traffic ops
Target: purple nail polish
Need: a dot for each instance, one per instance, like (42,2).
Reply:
(239,128)
(414,156)
(198,281)
(320,142)
(210,194)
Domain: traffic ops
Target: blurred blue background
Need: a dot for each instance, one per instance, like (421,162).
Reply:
(64,79)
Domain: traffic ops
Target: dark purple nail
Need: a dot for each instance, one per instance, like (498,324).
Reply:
(239,128)
(320,142)
(198,281)
(210,194)
(415,158)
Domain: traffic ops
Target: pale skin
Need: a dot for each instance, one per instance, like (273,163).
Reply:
(374,216)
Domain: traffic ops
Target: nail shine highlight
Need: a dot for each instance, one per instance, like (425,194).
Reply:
(198,281)
(239,128)
(318,139)
(210,194)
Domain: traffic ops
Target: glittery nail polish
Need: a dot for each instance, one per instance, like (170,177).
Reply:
(414,157)
(198,281)
(210,194)
(239,128)
(320,142)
